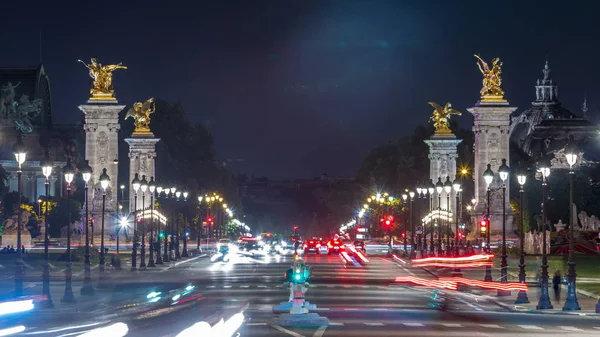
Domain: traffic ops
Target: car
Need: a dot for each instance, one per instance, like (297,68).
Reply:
(360,245)
(334,246)
(312,246)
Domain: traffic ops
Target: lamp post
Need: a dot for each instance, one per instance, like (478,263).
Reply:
(47,171)
(544,302)
(68,297)
(413,252)
(20,155)
(571,303)
(430,189)
(177,253)
(166,248)
(151,189)
(522,295)
(159,259)
(404,198)
(200,225)
(88,288)
(143,188)
(135,183)
(122,224)
(439,188)
(185,219)
(104,182)
(488,176)
(448,190)
(457,189)
(503,171)
(174,229)
(420,192)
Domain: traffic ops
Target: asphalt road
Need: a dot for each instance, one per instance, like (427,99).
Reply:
(358,301)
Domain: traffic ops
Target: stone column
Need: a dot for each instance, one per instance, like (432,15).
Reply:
(101,149)
(442,163)
(492,137)
(142,152)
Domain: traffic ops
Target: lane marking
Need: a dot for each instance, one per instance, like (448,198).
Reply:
(351,309)
(373,324)
(256,324)
(381,309)
(342,324)
(320,331)
(289,332)
(244,286)
(452,325)
(569,328)
(531,327)
(261,286)
(491,326)
(226,287)
(413,324)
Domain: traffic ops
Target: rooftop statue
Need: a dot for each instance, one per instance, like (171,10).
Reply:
(102,87)
(492,80)
(441,118)
(140,112)
(21,111)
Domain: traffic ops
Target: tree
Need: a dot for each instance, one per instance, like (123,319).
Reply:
(60,215)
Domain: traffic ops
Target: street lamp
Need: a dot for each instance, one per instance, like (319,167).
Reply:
(174,227)
(135,183)
(185,219)
(68,297)
(503,171)
(457,189)
(404,198)
(413,252)
(177,254)
(151,189)
(159,259)
(544,302)
(522,295)
(571,303)
(20,155)
(47,166)
(199,225)
(166,247)
(448,190)
(122,224)
(104,182)
(143,188)
(430,190)
(488,176)
(439,188)
(88,288)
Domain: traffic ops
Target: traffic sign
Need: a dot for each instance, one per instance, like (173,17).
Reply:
(419,230)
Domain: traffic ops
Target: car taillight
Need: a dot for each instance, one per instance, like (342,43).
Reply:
(329,245)
(305,245)
(318,245)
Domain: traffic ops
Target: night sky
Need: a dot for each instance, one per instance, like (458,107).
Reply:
(301,88)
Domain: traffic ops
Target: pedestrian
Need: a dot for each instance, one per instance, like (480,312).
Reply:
(556,280)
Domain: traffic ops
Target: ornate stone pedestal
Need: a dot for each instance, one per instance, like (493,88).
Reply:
(491,129)
(142,151)
(442,159)
(101,149)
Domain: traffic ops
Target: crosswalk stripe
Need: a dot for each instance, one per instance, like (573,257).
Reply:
(531,327)
(491,326)
(413,324)
(569,328)
(244,286)
(452,325)
(374,324)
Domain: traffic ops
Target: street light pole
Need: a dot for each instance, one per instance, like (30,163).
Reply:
(457,188)
(166,248)
(413,252)
(199,224)
(104,182)
(20,155)
(144,188)
(135,183)
(544,302)
(522,295)
(177,253)
(430,189)
(185,220)
(151,189)
(448,190)
(159,259)
(439,188)
(174,229)
(88,288)
(488,176)
(504,171)
(571,303)
(68,297)
(47,171)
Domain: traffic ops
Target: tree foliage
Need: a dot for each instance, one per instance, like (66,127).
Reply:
(61,214)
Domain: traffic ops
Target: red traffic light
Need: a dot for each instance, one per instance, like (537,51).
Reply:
(295,227)
(209,219)
(483,225)
(388,222)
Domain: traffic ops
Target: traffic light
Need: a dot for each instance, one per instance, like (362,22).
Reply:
(387,221)
(484,225)
(161,235)
(209,220)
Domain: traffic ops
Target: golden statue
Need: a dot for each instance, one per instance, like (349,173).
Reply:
(492,80)
(441,116)
(102,76)
(140,112)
